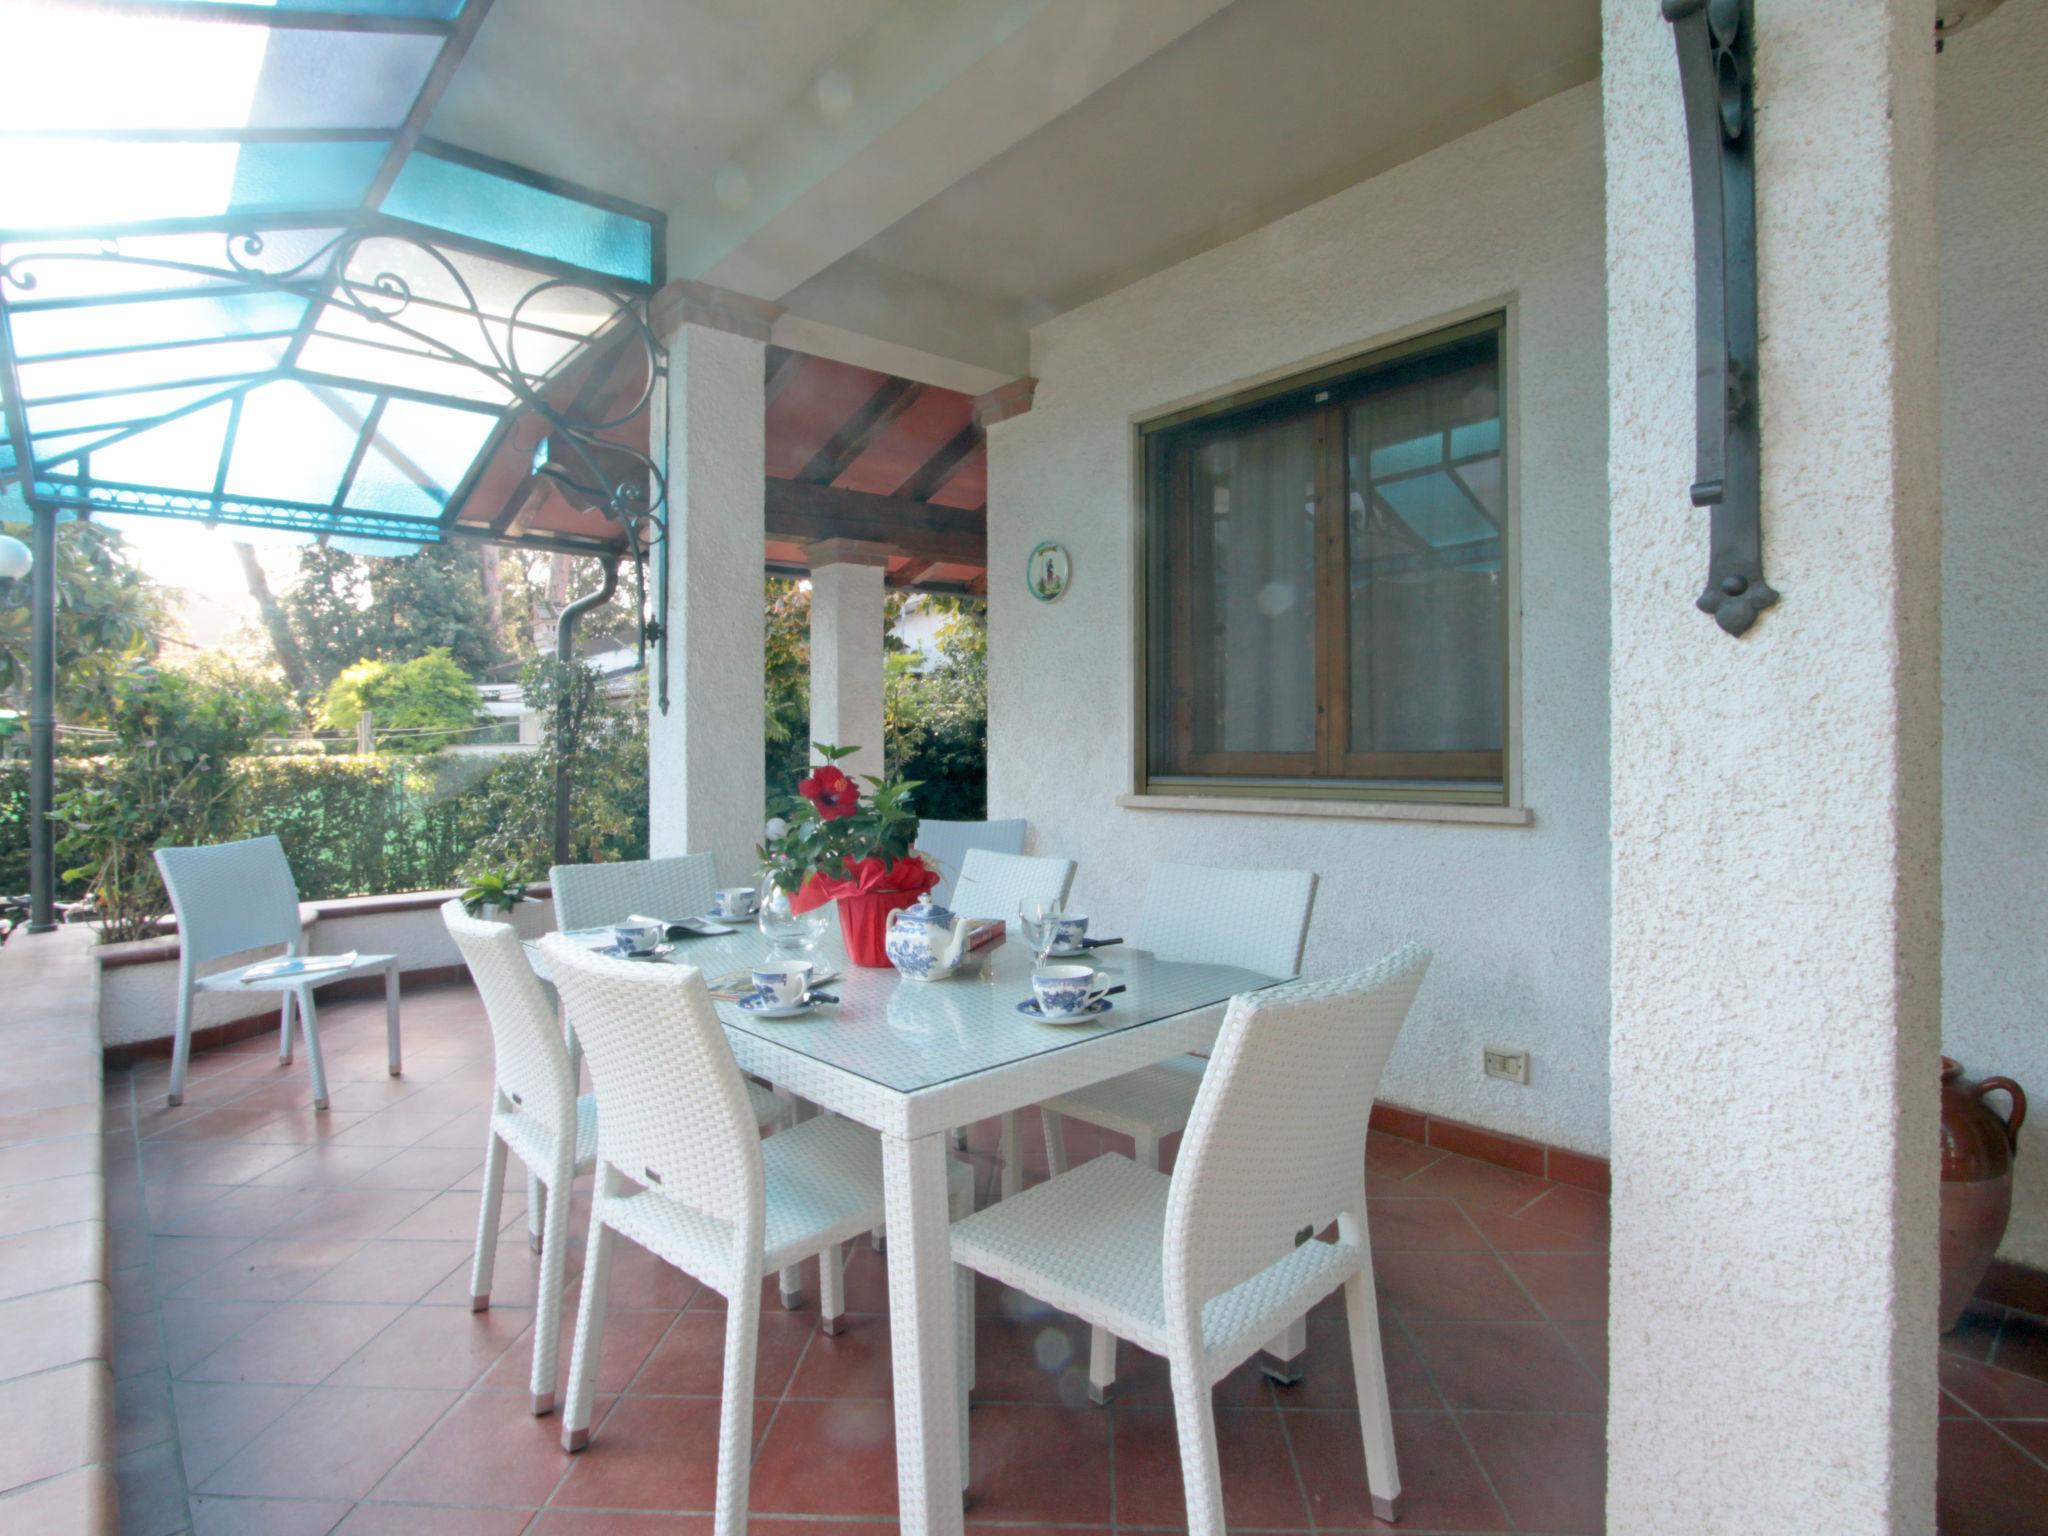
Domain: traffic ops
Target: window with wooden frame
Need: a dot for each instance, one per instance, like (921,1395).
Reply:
(1325,598)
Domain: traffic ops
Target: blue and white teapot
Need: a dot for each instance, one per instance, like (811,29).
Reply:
(926,942)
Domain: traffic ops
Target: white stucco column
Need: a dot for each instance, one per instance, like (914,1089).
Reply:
(706,787)
(1775,831)
(846,650)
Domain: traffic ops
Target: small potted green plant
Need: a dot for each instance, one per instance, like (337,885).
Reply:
(492,893)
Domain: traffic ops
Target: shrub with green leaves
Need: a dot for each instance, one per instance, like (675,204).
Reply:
(422,699)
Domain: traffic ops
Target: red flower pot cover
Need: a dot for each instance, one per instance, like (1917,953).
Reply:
(872,889)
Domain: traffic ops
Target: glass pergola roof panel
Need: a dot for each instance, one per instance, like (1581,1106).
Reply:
(80,183)
(248,293)
(468,200)
(155,322)
(296,444)
(183,454)
(419,455)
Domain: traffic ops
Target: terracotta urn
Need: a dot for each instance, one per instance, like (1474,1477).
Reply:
(1977,1149)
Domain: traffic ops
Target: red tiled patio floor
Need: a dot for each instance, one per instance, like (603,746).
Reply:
(295,1354)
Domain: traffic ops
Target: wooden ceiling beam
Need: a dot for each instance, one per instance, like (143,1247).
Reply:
(937,469)
(892,397)
(906,576)
(783,366)
(808,514)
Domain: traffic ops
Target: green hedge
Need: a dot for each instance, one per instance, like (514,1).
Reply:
(354,825)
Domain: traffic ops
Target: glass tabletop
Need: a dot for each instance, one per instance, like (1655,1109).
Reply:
(909,1035)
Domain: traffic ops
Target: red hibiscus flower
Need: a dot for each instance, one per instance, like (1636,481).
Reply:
(832,792)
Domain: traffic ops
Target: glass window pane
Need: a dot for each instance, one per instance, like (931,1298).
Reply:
(1426,660)
(139,370)
(468,201)
(294,441)
(1250,526)
(117,410)
(77,269)
(345,358)
(420,454)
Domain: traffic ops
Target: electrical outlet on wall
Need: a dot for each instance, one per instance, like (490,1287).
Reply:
(1512,1065)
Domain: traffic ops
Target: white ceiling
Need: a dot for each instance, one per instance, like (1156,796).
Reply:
(645,99)
(1267,107)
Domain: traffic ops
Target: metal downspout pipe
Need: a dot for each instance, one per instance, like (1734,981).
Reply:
(565,642)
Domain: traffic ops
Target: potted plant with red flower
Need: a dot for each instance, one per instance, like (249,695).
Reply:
(831,842)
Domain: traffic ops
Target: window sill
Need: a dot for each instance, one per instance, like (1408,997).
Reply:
(1340,810)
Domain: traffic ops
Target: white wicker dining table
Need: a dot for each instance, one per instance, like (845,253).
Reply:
(913,1060)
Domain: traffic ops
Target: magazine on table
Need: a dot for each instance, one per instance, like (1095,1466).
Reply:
(286,967)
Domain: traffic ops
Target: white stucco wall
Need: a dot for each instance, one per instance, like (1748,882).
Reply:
(1517,915)
(1993,197)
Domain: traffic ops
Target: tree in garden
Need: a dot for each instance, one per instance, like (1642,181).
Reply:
(346,608)
(936,722)
(423,698)
(110,613)
(787,722)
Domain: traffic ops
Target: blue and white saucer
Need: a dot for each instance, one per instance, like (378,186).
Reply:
(761,1006)
(619,952)
(1029,1008)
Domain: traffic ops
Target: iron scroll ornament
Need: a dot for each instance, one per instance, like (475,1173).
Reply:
(1716,77)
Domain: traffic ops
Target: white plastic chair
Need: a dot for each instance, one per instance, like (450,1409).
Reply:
(1254,918)
(681,1172)
(947,844)
(999,885)
(1204,1266)
(598,895)
(231,898)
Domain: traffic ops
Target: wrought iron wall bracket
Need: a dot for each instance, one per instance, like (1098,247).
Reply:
(1715,77)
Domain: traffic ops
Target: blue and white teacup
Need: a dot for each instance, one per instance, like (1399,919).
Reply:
(1072,931)
(735,901)
(1065,990)
(638,938)
(782,983)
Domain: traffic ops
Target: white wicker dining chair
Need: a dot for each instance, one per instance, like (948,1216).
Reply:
(231,899)
(947,844)
(681,1172)
(1254,918)
(999,885)
(536,1113)
(1205,1265)
(598,895)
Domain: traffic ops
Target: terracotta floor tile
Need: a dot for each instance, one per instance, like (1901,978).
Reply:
(53,1328)
(174,1260)
(1584,1213)
(453,1217)
(629,1337)
(1420,1225)
(1031,1360)
(1987,1485)
(50,1422)
(515,1273)
(265,1517)
(857,1363)
(1993,1392)
(143,1415)
(1589,1342)
(1569,1287)
(489,1449)
(1031,1462)
(246,1212)
(690,1359)
(416,1167)
(211,1162)
(1442,1486)
(1394,1158)
(662,1453)
(1477,1186)
(1506,1367)
(216,1419)
(619,1522)
(1327,1382)
(836,1458)
(2023,1346)
(138,1344)
(192,1330)
(386,1270)
(334,1443)
(1549,1469)
(361,1213)
(268,1269)
(152,1492)
(1512,1234)
(1451,1287)
(325,1166)
(1259,1486)
(1144,1380)
(437,1347)
(429,1520)
(298,1344)
(1976,1333)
